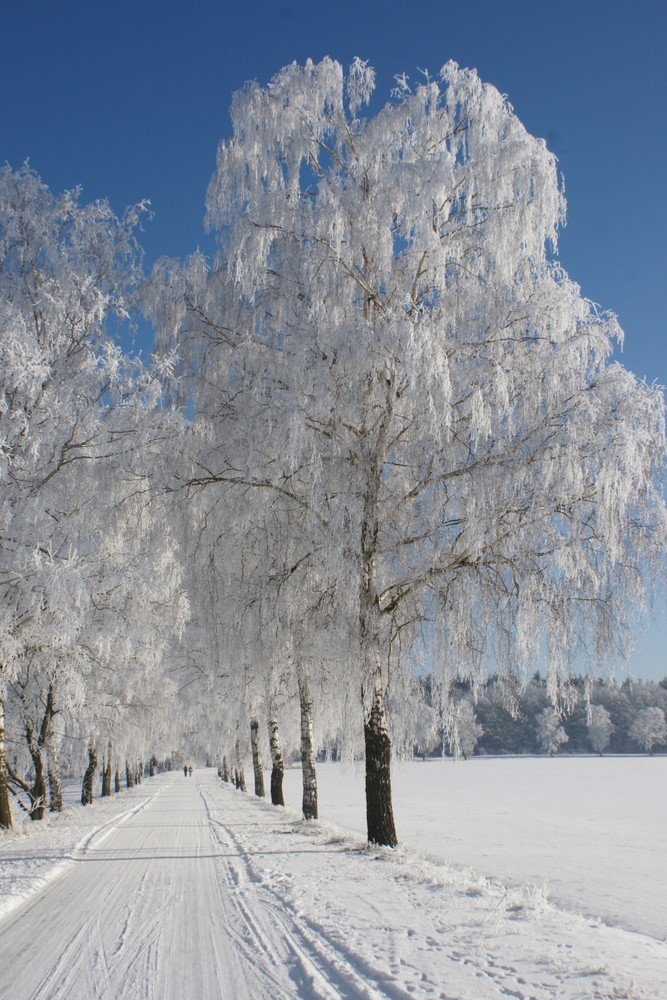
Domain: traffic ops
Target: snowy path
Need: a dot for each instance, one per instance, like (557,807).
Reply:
(142,895)
(200,892)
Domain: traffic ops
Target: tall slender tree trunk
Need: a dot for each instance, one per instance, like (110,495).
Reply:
(129,777)
(225,769)
(309,773)
(257,763)
(53,775)
(277,764)
(152,766)
(116,781)
(37,748)
(106,773)
(51,744)
(87,789)
(379,809)
(372,628)
(38,791)
(239,771)
(5,809)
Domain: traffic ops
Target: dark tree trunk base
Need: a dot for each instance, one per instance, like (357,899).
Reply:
(87,790)
(309,804)
(106,774)
(379,809)
(277,798)
(278,766)
(239,773)
(257,765)
(5,808)
(55,790)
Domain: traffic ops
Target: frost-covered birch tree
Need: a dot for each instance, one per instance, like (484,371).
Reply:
(462,730)
(600,727)
(430,389)
(261,603)
(75,415)
(649,728)
(550,734)
(66,271)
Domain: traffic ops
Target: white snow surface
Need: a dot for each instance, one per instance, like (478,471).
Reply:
(514,878)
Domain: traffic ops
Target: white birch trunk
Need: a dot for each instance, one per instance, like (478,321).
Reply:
(379,809)
(309,773)
(5,809)
(87,789)
(240,773)
(53,773)
(257,764)
(277,764)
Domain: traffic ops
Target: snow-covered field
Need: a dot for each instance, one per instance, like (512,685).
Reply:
(592,830)
(523,878)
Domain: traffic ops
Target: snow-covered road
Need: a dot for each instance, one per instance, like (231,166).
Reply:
(198,891)
(138,914)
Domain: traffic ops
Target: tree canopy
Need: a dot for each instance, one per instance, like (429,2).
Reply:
(420,386)
(384,433)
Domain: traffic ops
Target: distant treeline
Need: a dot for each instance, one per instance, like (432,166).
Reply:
(512,722)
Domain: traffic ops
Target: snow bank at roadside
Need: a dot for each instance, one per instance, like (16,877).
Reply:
(411,926)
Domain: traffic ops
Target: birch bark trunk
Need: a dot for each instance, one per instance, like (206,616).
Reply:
(106,774)
(257,764)
(277,764)
(38,791)
(239,771)
(53,774)
(87,789)
(5,809)
(379,808)
(372,635)
(309,773)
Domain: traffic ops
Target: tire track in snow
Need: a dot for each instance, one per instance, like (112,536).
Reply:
(319,965)
(85,961)
(132,918)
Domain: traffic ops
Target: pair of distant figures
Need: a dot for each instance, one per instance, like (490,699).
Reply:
(187,770)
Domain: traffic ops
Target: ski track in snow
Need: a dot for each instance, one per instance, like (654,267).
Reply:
(199,891)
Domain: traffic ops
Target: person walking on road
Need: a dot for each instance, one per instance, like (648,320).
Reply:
(185,770)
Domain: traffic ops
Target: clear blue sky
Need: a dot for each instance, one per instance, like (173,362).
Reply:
(129,100)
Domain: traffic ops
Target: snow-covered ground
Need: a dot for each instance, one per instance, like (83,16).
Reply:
(523,878)
(592,830)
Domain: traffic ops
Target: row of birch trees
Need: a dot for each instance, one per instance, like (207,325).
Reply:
(383,435)
(90,579)
(410,445)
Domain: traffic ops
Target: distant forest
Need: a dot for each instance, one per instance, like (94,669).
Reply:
(519,720)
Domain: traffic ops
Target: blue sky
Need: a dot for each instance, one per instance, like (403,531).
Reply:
(130,99)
